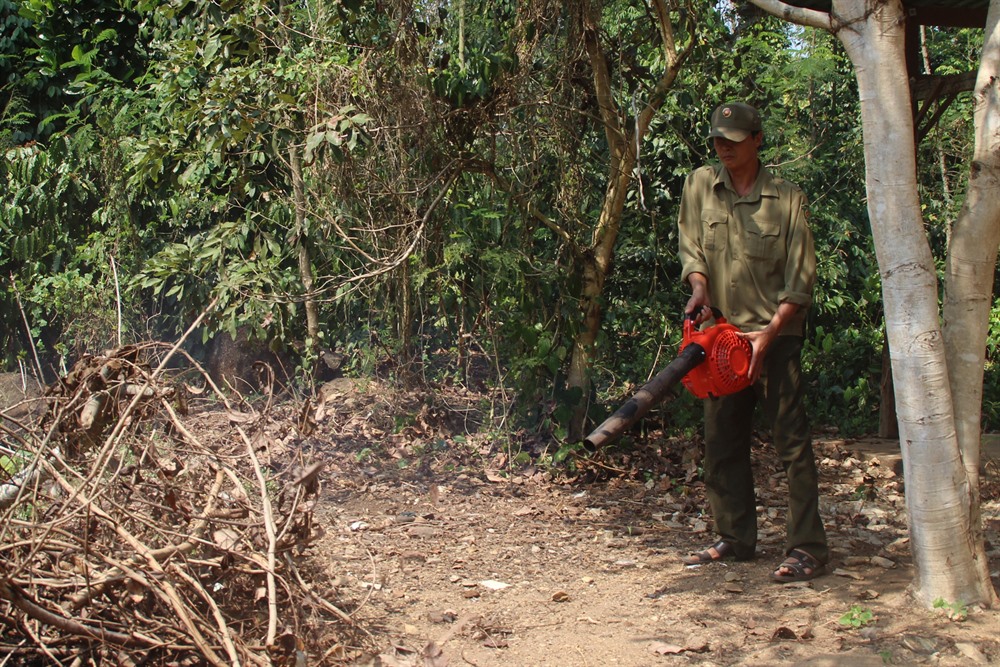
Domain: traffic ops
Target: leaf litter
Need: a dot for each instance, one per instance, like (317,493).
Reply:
(379,526)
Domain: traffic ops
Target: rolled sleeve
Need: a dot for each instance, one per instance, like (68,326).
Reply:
(690,250)
(800,269)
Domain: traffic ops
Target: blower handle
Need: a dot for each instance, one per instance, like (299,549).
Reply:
(693,315)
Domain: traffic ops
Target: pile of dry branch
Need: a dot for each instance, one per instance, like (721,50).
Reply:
(125,538)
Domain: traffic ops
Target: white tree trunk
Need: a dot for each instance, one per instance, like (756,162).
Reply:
(939,493)
(972,256)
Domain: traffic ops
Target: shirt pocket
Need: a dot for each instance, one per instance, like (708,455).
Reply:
(715,228)
(763,239)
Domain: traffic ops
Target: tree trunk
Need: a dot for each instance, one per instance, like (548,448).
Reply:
(938,491)
(941,495)
(302,247)
(596,268)
(624,138)
(888,426)
(969,274)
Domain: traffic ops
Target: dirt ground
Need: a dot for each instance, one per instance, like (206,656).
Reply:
(451,546)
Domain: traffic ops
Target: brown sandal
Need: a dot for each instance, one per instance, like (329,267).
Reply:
(722,550)
(800,566)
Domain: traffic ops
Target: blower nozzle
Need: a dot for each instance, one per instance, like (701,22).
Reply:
(710,363)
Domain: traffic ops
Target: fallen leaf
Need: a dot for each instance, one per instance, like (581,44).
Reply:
(972,653)
(402,648)
(662,648)
(920,645)
(136,590)
(389,660)
(841,572)
(423,531)
(226,539)
(309,476)
(434,656)
(495,642)
(696,645)
(413,556)
(783,633)
(242,417)
(446,616)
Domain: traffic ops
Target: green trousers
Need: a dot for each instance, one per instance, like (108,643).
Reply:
(728,472)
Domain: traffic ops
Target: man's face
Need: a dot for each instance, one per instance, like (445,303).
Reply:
(737,155)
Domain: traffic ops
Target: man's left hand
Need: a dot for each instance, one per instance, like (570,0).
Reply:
(759,342)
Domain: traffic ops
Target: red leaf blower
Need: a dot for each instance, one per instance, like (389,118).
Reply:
(710,363)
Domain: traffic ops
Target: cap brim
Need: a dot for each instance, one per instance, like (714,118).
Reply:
(730,133)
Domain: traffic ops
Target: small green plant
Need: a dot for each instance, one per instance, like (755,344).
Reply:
(865,490)
(956,611)
(567,449)
(13,463)
(857,617)
(8,465)
(401,422)
(363,454)
(886,656)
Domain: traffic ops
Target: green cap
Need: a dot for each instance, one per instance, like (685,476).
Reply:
(734,121)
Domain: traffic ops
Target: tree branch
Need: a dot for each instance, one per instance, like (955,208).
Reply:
(602,85)
(10,592)
(807,17)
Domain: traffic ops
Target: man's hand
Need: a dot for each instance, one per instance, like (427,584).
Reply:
(699,304)
(761,340)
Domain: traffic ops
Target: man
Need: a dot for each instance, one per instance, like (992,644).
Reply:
(746,248)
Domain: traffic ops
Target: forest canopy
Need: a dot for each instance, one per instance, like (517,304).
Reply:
(414,188)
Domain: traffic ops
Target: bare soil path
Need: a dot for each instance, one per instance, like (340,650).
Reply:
(451,555)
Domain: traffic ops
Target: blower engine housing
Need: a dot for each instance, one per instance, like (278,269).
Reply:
(726,369)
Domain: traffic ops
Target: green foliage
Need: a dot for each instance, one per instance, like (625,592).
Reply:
(46,200)
(956,611)
(13,462)
(857,617)
(58,51)
(432,146)
(565,453)
(63,237)
(991,378)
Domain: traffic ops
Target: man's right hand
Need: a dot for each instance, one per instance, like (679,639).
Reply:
(699,304)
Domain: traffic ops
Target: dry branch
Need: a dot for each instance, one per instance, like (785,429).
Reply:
(129,529)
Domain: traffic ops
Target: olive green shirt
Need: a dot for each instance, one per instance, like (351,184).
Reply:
(756,251)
